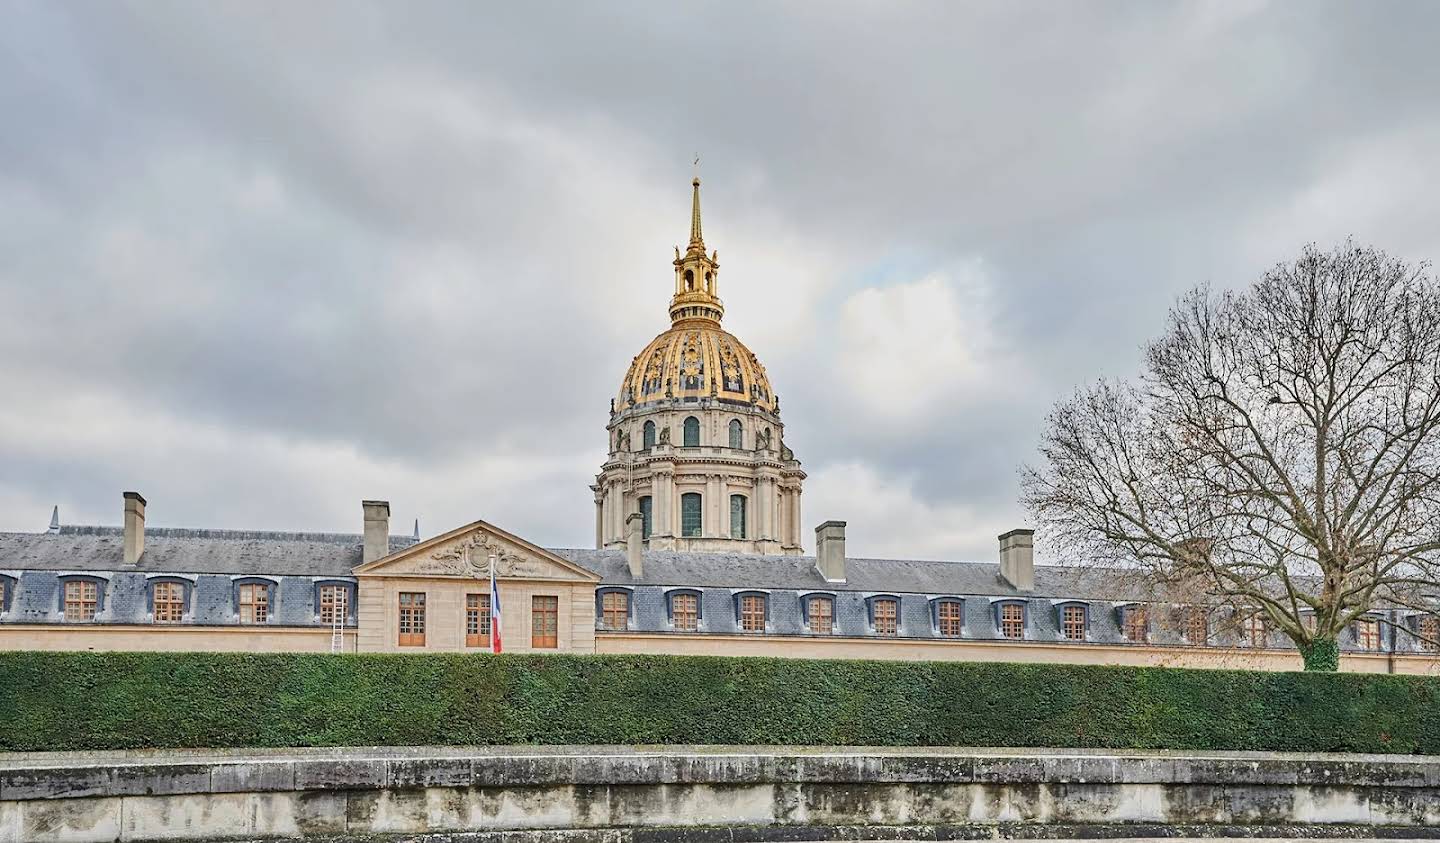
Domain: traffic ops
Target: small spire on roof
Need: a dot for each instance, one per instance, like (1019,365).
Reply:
(417,529)
(55,519)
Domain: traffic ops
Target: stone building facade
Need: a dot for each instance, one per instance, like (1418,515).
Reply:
(698,550)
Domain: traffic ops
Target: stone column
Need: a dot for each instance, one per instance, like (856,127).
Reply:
(712,506)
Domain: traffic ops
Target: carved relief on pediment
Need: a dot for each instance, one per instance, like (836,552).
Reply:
(470,557)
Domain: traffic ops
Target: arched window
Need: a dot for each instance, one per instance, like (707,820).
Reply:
(690,518)
(689,280)
(692,432)
(737,436)
(737,516)
(647,509)
(648,437)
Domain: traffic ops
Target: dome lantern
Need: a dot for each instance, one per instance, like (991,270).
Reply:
(697,275)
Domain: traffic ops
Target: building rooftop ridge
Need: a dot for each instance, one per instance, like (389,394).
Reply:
(215,533)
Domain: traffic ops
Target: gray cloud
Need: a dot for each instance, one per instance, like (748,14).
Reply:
(262,260)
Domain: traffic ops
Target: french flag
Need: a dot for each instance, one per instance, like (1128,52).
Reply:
(494,610)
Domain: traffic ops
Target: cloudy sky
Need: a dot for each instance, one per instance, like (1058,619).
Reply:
(260,261)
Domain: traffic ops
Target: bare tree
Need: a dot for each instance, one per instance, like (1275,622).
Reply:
(1280,450)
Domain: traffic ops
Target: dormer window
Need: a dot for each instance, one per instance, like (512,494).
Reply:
(1010,619)
(1135,622)
(820,614)
(885,615)
(1252,630)
(950,618)
(167,601)
(253,598)
(615,609)
(1074,621)
(751,611)
(1367,634)
(685,610)
(1196,625)
(81,598)
(1429,628)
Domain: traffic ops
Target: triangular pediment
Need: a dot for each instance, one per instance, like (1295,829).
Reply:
(465,552)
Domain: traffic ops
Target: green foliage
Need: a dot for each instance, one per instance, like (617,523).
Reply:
(83,701)
(1321,654)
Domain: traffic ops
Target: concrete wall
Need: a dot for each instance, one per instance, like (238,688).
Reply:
(774,793)
(837,647)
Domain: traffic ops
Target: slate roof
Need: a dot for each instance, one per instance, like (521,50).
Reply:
(212,560)
(189,551)
(895,576)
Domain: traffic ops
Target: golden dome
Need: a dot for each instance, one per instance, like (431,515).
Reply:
(696,360)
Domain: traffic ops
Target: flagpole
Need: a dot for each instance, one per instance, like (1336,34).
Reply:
(495,643)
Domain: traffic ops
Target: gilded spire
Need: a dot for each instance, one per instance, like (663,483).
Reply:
(696,241)
(696,289)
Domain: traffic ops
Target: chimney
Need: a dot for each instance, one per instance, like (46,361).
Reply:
(635,544)
(1017,559)
(830,550)
(134,527)
(377,530)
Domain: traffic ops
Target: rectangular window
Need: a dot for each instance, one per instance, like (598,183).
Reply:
(1072,622)
(691,523)
(80,599)
(685,611)
(1197,625)
(647,515)
(752,613)
(1253,631)
(2,595)
(1430,633)
(412,619)
(1137,624)
(1367,634)
(886,622)
(737,516)
(169,602)
(1012,620)
(544,622)
(822,615)
(254,603)
(477,620)
(950,618)
(615,610)
(334,604)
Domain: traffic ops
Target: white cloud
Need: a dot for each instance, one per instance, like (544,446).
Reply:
(887,518)
(907,348)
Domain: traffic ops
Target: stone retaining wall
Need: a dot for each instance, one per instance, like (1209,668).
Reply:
(615,794)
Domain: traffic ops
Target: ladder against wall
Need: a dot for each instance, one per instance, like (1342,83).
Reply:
(337,622)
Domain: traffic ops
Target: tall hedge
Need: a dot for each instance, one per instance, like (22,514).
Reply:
(78,701)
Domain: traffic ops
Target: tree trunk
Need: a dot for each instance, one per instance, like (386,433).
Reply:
(1321,654)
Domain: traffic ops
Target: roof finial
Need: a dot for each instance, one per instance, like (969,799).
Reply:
(417,529)
(55,519)
(696,241)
